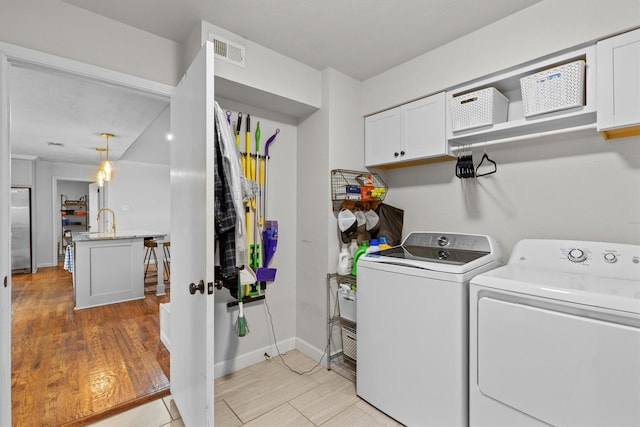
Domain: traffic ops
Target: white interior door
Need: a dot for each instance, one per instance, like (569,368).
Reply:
(5,249)
(192,246)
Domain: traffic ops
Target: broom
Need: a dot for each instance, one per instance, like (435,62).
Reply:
(241,323)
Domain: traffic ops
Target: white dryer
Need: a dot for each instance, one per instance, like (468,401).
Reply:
(555,337)
(412,332)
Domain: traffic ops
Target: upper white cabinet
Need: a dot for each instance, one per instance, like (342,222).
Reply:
(517,125)
(619,85)
(412,133)
(382,137)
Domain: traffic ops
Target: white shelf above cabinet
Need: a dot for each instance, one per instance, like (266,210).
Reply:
(517,125)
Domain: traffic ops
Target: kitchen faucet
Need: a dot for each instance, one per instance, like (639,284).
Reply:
(113,224)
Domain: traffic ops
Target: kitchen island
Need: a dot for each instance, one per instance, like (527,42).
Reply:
(109,267)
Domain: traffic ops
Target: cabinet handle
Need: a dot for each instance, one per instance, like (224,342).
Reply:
(402,153)
(395,154)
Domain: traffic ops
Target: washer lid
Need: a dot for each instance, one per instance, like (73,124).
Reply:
(433,254)
(438,251)
(595,291)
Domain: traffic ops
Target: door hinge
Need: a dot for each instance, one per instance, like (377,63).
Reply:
(6,279)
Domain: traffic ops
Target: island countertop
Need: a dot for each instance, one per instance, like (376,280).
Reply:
(108,235)
(109,267)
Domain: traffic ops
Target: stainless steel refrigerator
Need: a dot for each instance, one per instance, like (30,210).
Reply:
(21,230)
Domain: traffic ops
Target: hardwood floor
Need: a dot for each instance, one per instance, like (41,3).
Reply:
(72,367)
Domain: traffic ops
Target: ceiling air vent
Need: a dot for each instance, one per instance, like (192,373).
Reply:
(228,51)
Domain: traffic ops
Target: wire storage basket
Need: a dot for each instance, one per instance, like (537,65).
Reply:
(349,341)
(555,89)
(356,186)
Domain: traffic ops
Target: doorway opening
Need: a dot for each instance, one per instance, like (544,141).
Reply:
(74,214)
(63,328)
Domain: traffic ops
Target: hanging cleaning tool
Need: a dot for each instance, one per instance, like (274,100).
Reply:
(266,169)
(241,323)
(250,176)
(237,135)
(270,232)
(254,248)
(269,245)
(255,168)
(262,193)
(247,173)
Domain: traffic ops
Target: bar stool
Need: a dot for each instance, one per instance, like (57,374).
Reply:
(150,251)
(167,258)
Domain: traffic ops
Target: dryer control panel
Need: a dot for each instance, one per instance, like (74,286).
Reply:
(615,260)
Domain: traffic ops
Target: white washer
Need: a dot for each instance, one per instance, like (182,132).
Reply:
(412,326)
(555,337)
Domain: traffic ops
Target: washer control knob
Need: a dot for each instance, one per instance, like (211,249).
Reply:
(577,255)
(610,257)
(443,255)
(443,241)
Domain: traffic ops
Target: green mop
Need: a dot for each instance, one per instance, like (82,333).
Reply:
(241,323)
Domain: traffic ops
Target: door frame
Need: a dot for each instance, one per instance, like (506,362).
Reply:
(55,204)
(5,248)
(20,56)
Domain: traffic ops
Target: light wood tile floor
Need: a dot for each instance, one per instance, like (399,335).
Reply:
(268,394)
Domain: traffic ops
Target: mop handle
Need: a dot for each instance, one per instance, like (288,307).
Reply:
(269,141)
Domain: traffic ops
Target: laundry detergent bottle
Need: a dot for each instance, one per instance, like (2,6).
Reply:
(373,247)
(382,243)
(361,250)
(344,261)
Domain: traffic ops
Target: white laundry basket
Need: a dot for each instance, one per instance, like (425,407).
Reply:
(347,300)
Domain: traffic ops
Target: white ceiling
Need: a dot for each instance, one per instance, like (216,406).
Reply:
(360,38)
(49,107)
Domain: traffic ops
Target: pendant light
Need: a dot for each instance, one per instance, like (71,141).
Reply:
(108,166)
(101,170)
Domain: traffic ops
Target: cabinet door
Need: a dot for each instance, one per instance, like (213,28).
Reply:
(618,82)
(423,128)
(382,137)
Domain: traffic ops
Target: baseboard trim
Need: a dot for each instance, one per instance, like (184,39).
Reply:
(310,350)
(245,360)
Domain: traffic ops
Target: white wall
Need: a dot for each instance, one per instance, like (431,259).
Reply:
(329,139)
(574,186)
(21,172)
(139,195)
(268,70)
(232,352)
(571,187)
(313,203)
(262,82)
(135,181)
(345,141)
(68,31)
(542,29)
